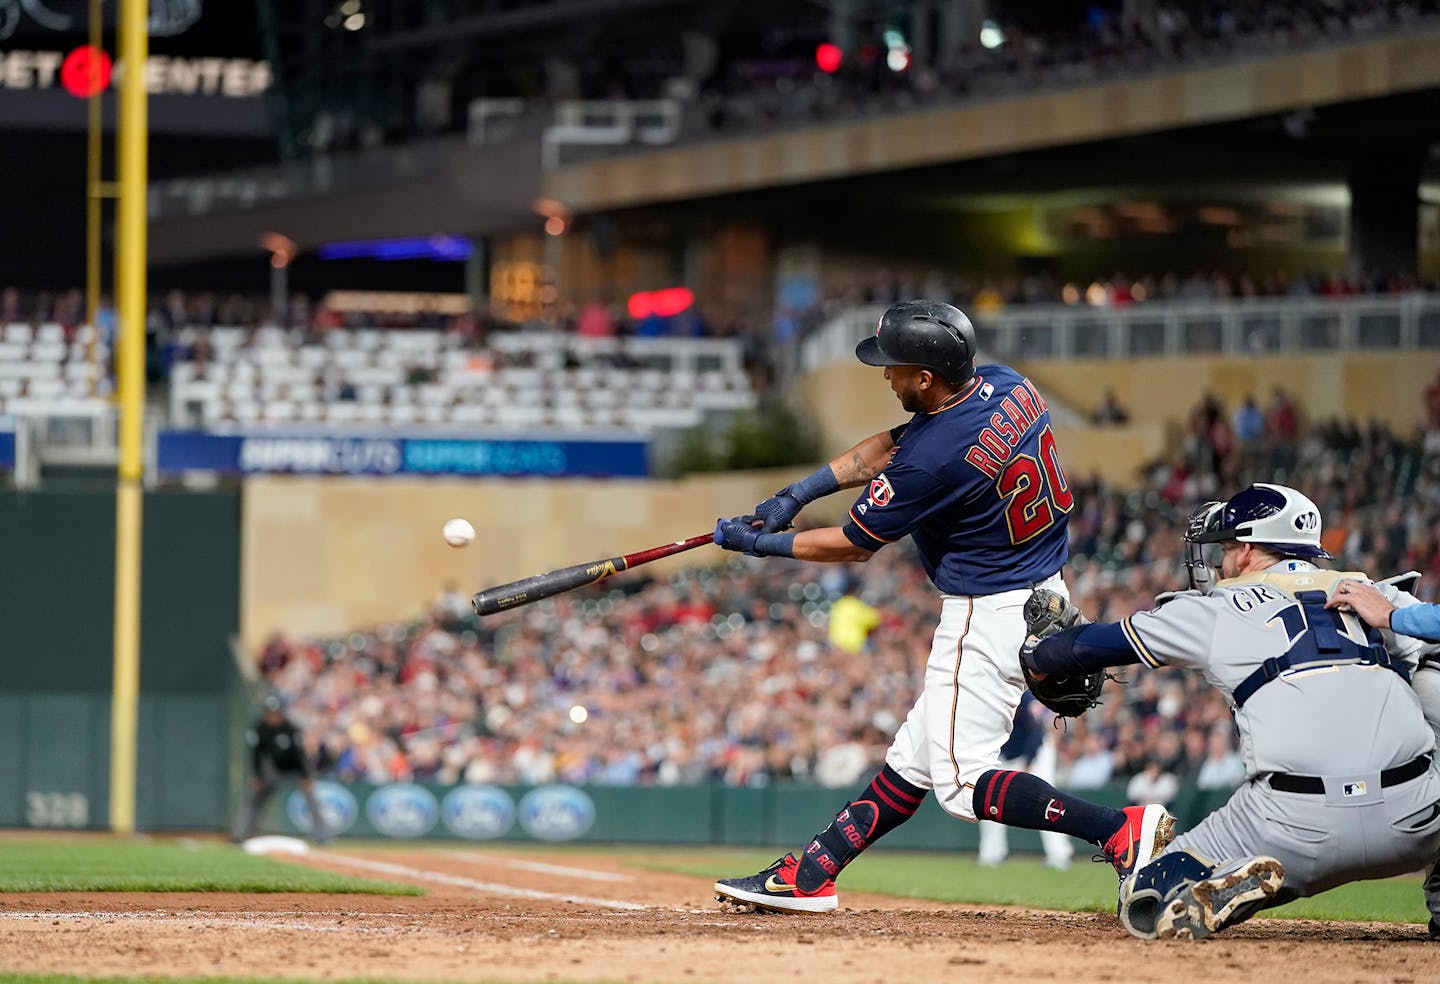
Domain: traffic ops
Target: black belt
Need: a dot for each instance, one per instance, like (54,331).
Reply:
(1286,783)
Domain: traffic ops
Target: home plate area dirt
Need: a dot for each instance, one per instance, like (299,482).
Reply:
(583,917)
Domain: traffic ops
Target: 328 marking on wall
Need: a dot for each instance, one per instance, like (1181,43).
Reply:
(57,809)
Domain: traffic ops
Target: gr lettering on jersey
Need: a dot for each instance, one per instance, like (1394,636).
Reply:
(1252,597)
(997,441)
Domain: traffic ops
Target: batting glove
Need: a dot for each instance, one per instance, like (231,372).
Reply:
(777,512)
(740,536)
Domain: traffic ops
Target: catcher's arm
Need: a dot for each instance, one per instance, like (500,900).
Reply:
(1063,670)
(1079,649)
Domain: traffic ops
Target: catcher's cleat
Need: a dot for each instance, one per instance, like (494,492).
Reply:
(775,889)
(1433,930)
(1231,895)
(1146,831)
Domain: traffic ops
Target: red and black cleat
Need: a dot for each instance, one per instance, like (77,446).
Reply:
(775,889)
(1146,831)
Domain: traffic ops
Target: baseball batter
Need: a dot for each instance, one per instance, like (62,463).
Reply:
(1342,783)
(975,479)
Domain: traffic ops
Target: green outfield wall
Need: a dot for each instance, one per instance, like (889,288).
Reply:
(57,583)
(787,813)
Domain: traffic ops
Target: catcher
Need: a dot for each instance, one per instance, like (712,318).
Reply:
(1342,786)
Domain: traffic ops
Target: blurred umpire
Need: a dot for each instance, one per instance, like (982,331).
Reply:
(277,751)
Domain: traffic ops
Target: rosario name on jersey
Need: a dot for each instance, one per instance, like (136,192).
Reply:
(978,485)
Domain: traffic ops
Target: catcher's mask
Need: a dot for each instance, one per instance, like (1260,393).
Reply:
(1202,558)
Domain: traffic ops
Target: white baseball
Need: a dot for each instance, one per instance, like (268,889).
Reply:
(458,532)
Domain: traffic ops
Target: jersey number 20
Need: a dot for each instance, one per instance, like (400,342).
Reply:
(1036,489)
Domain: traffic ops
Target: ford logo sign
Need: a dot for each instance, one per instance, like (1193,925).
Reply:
(556,813)
(337,807)
(478,812)
(402,810)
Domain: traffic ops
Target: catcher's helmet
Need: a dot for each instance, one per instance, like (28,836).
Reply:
(931,334)
(1275,517)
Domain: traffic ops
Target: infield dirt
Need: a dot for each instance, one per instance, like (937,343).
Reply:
(465,931)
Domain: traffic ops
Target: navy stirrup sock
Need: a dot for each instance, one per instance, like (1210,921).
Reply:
(886,803)
(1018,799)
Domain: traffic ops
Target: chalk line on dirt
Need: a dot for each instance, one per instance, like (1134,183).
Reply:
(541,867)
(493,888)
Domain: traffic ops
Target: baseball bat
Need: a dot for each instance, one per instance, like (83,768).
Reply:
(528,589)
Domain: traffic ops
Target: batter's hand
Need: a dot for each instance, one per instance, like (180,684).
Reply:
(1364,600)
(737,535)
(776,513)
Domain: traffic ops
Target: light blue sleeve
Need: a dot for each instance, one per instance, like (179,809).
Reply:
(1420,621)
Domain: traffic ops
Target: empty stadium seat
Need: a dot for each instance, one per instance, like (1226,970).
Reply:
(467,387)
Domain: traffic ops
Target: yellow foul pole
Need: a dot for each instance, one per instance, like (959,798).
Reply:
(92,190)
(130,373)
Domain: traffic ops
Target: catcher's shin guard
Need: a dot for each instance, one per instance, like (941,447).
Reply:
(1144,893)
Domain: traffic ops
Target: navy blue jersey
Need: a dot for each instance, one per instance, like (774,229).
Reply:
(1027,734)
(978,485)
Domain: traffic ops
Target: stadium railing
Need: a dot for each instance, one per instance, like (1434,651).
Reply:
(1175,329)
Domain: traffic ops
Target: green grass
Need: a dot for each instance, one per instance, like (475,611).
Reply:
(190,866)
(1024,881)
(165,866)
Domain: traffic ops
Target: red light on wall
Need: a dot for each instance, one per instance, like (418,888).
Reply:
(661,303)
(828,57)
(673,300)
(86,72)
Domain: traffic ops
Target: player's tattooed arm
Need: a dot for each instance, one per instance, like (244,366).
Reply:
(864,461)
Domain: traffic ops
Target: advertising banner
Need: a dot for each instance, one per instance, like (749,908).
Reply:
(7,443)
(406,811)
(306,454)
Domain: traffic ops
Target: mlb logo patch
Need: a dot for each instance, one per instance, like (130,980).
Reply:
(1354,789)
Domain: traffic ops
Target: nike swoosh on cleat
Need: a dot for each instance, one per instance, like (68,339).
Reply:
(773,884)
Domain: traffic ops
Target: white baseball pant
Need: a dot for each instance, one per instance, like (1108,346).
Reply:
(973,684)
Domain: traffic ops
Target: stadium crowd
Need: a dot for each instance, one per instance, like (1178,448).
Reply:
(766,671)
(982,295)
(1028,45)
(172,312)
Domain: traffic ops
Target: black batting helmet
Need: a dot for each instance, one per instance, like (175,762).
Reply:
(931,334)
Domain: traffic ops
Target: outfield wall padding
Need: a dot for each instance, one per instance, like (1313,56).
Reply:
(787,814)
(57,588)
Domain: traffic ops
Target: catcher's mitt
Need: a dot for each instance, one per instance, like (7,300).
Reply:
(1069,695)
